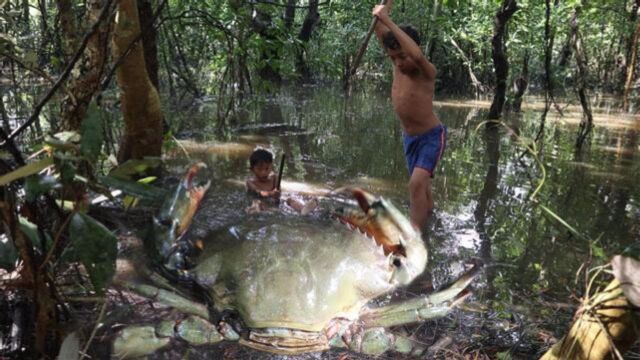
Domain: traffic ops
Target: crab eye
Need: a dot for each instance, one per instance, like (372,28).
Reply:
(397,263)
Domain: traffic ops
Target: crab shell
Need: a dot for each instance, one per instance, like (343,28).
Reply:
(299,274)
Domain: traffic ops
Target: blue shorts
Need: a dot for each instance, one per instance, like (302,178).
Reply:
(425,150)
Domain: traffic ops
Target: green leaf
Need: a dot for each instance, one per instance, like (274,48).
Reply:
(35,186)
(8,254)
(30,230)
(95,247)
(29,169)
(130,168)
(136,189)
(92,134)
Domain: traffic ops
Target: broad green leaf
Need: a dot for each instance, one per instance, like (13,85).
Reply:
(92,134)
(27,170)
(37,185)
(136,189)
(95,247)
(30,230)
(130,168)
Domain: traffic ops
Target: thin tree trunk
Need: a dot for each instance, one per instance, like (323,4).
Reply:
(310,22)
(432,20)
(89,70)
(69,27)
(500,61)
(44,54)
(289,14)
(172,92)
(628,45)
(549,37)
(140,101)
(521,84)
(6,126)
(477,85)
(586,125)
(631,67)
(262,24)
(26,17)
(182,71)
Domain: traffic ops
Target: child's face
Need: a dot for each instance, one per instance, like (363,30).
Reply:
(402,61)
(262,170)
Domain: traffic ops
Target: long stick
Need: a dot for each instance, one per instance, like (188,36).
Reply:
(363,47)
(280,172)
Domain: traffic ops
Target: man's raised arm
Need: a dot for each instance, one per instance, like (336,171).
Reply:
(381,29)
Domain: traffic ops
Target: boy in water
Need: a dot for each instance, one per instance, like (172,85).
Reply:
(263,182)
(412,97)
(263,185)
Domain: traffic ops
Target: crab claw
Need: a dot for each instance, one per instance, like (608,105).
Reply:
(177,211)
(401,241)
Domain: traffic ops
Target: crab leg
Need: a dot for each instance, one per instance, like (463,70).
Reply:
(427,307)
(377,341)
(168,298)
(138,341)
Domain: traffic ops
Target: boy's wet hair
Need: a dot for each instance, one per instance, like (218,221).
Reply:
(260,155)
(390,42)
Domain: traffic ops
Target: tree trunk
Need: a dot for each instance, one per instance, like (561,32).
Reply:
(140,101)
(149,40)
(549,37)
(26,17)
(262,24)
(69,27)
(432,30)
(500,61)
(586,125)
(44,53)
(631,67)
(289,14)
(310,22)
(521,84)
(89,70)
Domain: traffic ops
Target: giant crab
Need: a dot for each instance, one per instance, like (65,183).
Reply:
(295,285)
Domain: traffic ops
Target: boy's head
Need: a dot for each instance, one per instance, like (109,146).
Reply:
(395,52)
(260,163)
(391,43)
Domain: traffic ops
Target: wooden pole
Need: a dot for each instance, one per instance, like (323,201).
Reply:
(279,181)
(363,47)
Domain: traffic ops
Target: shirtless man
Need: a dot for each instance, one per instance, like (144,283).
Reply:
(412,97)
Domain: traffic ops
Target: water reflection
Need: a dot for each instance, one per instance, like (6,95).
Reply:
(492,139)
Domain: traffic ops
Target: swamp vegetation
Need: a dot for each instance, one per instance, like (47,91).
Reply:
(104,103)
